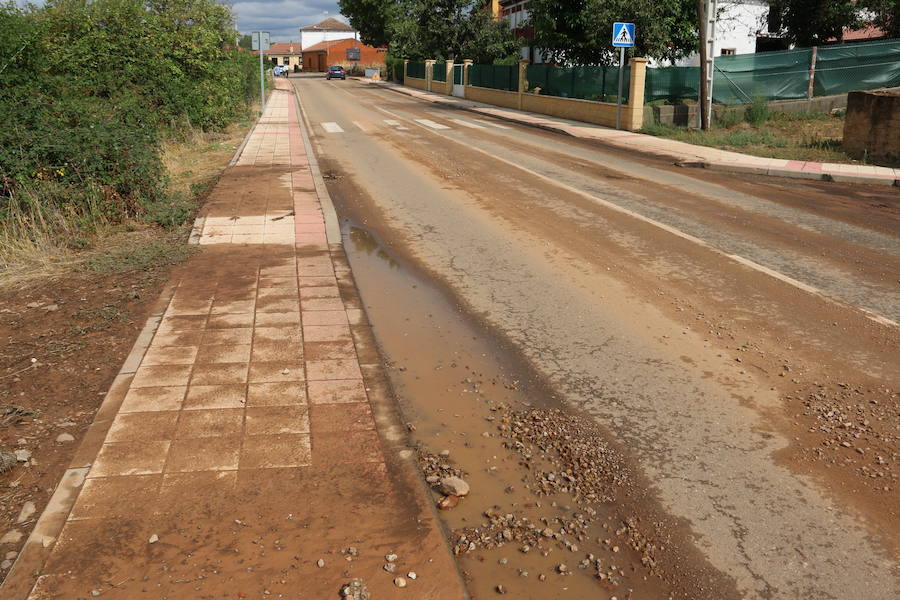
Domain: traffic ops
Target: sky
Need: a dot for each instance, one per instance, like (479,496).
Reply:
(283,18)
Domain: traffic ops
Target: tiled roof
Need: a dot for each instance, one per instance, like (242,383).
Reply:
(328,24)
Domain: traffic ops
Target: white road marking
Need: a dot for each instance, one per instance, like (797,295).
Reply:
(492,124)
(396,124)
(878,318)
(331,127)
(467,124)
(431,124)
(363,128)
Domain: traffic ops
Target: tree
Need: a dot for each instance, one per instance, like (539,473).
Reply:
(579,33)
(372,18)
(245,41)
(813,22)
(886,16)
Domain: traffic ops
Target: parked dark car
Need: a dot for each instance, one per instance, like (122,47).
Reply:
(336,72)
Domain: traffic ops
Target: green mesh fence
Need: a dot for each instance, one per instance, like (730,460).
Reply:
(498,77)
(439,72)
(415,69)
(587,83)
(784,75)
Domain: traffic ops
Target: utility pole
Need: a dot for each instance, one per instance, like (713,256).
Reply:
(707,12)
(259,41)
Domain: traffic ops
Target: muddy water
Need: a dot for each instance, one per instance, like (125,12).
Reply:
(450,378)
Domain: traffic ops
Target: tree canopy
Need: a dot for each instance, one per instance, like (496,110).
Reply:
(812,22)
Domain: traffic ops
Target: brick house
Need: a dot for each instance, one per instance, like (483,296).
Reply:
(284,53)
(325,54)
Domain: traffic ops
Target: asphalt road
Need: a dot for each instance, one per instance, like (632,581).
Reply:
(736,334)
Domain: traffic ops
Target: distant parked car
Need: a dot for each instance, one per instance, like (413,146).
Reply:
(336,72)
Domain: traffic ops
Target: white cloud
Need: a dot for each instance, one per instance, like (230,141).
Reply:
(283,18)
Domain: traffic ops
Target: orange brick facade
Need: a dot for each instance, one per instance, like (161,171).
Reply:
(325,54)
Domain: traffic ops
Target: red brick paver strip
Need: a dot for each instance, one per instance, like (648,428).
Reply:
(244,448)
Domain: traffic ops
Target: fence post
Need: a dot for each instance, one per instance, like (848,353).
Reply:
(405,69)
(523,80)
(429,73)
(466,64)
(812,71)
(635,113)
(448,78)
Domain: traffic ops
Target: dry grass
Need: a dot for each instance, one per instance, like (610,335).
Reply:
(29,254)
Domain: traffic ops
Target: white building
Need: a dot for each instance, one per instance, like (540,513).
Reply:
(739,24)
(328,30)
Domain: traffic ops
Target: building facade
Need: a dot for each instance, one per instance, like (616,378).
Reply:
(326,54)
(286,54)
(329,30)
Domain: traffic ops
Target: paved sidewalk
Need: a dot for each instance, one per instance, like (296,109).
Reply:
(681,152)
(241,447)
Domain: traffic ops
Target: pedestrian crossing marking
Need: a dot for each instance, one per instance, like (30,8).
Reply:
(492,124)
(431,124)
(395,124)
(363,128)
(332,127)
(467,124)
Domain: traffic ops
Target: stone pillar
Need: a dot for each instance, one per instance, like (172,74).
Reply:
(429,73)
(634,115)
(449,78)
(466,64)
(523,80)
(405,69)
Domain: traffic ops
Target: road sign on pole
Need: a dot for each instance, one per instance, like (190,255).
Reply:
(622,37)
(259,40)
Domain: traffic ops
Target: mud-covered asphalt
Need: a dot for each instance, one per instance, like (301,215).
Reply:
(727,332)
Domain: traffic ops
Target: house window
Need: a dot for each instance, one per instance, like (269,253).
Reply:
(729,51)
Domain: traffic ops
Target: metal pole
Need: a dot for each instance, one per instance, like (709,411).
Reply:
(812,72)
(712,16)
(262,79)
(619,97)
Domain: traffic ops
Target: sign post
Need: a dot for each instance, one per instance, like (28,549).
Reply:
(260,42)
(622,37)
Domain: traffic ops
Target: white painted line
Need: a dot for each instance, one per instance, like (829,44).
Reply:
(396,124)
(431,124)
(492,124)
(878,318)
(363,128)
(468,124)
(332,127)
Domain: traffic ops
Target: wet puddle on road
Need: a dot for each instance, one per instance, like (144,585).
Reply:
(470,401)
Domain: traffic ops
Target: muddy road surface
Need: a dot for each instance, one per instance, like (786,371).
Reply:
(662,382)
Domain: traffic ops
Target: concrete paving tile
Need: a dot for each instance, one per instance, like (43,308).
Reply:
(143,426)
(276,292)
(316,281)
(153,399)
(220,374)
(322,304)
(210,491)
(182,323)
(347,447)
(336,391)
(204,454)
(269,420)
(277,334)
(232,306)
(170,355)
(228,321)
(283,393)
(325,317)
(275,451)
(319,370)
(130,458)
(178,338)
(224,353)
(279,319)
(189,306)
(343,349)
(264,351)
(348,416)
(326,333)
(210,423)
(235,335)
(114,497)
(310,293)
(214,396)
(274,372)
(283,304)
(289,282)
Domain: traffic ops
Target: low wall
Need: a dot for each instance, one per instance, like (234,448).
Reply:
(441,87)
(415,82)
(490,96)
(599,113)
(872,125)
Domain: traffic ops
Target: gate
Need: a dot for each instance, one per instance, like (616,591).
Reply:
(458,89)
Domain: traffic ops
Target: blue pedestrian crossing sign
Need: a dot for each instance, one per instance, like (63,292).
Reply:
(623,35)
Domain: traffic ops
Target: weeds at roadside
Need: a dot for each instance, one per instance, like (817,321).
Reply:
(139,257)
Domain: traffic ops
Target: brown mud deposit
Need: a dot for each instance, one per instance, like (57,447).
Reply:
(544,517)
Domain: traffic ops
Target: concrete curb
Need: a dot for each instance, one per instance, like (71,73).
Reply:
(23,574)
(713,166)
(332,225)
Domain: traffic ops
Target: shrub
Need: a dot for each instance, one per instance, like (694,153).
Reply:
(758,112)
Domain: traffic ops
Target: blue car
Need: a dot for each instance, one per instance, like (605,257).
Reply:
(336,72)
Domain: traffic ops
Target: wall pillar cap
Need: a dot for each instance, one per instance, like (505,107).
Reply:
(639,59)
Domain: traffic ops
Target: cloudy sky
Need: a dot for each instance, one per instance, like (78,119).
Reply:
(283,18)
